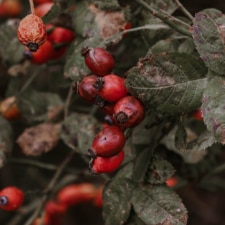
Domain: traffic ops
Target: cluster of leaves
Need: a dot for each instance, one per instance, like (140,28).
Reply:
(172,66)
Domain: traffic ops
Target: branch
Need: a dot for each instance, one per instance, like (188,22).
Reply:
(184,10)
(32,6)
(49,188)
(166,18)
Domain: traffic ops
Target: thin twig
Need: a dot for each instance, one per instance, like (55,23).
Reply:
(49,188)
(32,6)
(22,212)
(68,101)
(184,10)
(166,18)
(28,82)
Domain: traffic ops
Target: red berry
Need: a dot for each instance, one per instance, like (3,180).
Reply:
(31,32)
(75,194)
(171,182)
(197,115)
(106,165)
(10,8)
(111,87)
(86,89)
(61,35)
(128,112)
(11,198)
(42,1)
(98,60)
(108,142)
(43,8)
(42,55)
(55,208)
(98,201)
(108,108)
(58,52)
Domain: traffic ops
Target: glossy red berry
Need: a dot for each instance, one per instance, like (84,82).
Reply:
(11,198)
(31,32)
(98,60)
(107,142)
(128,112)
(111,87)
(106,165)
(86,90)
(75,194)
(42,55)
(61,35)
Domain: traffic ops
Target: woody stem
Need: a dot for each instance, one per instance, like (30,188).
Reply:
(32,6)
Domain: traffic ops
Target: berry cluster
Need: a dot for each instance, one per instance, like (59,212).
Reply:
(54,47)
(43,42)
(11,198)
(108,91)
(69,196)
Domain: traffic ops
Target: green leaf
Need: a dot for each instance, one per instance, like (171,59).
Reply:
(78,131)
(83,20)
(117,201)
(34,105)
(107,4)
(168,83)
(141,164)
(90,21)
(194,150)
(204,141)
(166,45)
(11,50)
(213,104)
(55,11)
(208,35)
(187,46)
(6,140)
(159,171)
(180,136)
(158,204)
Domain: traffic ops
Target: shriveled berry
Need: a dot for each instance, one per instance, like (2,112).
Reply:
(11,198)
(106,165)
(86,89)
(107,142)
(31,32)
(111,87)
(98,60)
(128,112)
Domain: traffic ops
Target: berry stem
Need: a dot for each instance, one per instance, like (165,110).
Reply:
(166,18)
(32,6)
(184,10)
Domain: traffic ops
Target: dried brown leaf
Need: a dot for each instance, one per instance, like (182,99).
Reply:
(109,22)
(39,139)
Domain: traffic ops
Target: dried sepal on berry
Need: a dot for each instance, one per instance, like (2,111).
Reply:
(31,32)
